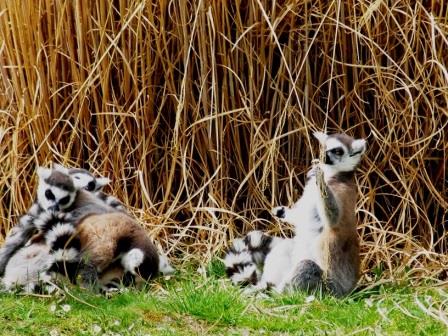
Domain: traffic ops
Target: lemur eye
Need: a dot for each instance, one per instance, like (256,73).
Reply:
(49,195)
(337,151)
(77,178)
(64,200)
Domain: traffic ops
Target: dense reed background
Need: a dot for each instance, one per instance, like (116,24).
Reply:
(201,112)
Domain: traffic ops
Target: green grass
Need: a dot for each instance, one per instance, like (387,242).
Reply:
(196,304)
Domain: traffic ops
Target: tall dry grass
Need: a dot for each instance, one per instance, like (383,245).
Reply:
(201,112)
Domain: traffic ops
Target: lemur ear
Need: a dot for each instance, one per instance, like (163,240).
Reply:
(322,137)
(359,146)
(60,168)
(43,172)
(102,181)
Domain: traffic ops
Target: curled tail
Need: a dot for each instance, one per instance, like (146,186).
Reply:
(16,239)
(245,258)
(63,242)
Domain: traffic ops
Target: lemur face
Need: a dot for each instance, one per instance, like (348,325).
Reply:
(83,179)
(342,152)
(56,190)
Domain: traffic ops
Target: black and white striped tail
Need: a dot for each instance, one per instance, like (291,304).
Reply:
(111,201)
(64,243)
(18,236)
(245,258)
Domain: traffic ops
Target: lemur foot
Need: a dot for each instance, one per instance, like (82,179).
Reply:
(308,276)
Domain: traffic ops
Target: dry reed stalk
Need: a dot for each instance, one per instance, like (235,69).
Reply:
(202,111)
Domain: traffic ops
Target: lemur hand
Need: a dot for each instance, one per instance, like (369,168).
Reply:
(279,212)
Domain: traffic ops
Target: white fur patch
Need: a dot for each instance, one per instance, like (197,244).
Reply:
(43,172)
(275,241)
(34,210)
(67,255)
(255,238)
(232,259)
(245,275)
(60,168)
(277,263)
(359,145)
(322,137)
(110,200)
(13,236)
(239,245)
(108,289)
(101,182)
(43,201)
(58,231)
(132,259)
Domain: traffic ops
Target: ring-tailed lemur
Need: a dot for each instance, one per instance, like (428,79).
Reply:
(21,233)
(88,232)
(325,248)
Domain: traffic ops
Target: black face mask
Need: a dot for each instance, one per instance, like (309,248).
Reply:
(328,160)
(90,186)
(49,195)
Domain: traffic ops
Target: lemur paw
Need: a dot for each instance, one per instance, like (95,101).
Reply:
(254,290)
(279,212)
(315,162)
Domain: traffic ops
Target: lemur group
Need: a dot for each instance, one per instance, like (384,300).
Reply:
(75,230)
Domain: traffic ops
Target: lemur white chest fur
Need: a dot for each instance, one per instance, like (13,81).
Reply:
(324,224)
(307,224)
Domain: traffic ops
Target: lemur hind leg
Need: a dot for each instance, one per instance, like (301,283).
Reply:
(307,276)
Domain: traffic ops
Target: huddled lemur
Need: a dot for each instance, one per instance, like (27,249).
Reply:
(21,233)
(81,234)
(325,248)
